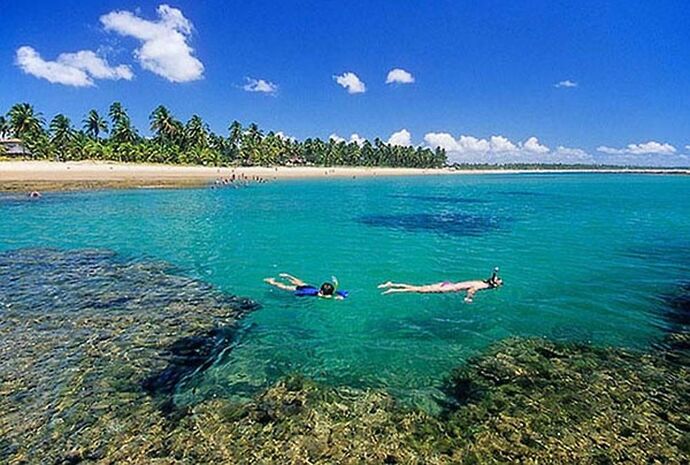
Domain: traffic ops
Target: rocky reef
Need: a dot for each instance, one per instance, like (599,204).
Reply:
(93,347)
(92,344)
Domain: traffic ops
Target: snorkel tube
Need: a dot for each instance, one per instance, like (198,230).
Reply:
(342,294)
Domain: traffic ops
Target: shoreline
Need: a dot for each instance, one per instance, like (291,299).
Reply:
(17,176)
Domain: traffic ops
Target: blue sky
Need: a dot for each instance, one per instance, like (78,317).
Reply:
(480,69)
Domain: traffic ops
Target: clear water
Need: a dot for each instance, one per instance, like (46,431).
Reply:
(584,257)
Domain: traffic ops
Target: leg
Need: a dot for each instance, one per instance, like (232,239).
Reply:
(279,285)
(293,280)
(389,284)
(405,288)
(440,288)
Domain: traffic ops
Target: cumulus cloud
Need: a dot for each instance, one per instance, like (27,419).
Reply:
(260,85)
(499,149)
(495,144)
(356,138)
(164,46)
(77,69)
(399,76)
(402,137)
(567,84)
(532,145)
(651,147)
(351,82)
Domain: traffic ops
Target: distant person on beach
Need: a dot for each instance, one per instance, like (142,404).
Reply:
(470,287)
(327,290)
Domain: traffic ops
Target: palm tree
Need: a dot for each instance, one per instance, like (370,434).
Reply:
(4,127)
(61,135)
(196,133)
(94,124)
(116,112)
(164,125)
(122,129)
(61,131)
(123,132)
(24,121)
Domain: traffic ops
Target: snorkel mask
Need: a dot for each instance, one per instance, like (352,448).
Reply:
(493,281)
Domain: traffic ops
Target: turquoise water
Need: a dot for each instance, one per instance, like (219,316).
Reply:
(584,257)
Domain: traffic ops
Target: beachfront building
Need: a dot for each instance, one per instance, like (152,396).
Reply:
(13,148)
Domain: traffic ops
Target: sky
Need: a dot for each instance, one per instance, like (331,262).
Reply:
(489,81)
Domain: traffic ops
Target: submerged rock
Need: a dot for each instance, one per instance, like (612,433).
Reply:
(81,332)
(534,400)
(84,333)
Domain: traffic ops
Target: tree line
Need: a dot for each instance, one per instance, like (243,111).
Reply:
(113,137)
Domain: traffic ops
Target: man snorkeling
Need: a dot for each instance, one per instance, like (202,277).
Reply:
(470,287)
(327,290)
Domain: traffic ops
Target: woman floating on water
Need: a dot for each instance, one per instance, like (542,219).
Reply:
(471,287)
(301,289)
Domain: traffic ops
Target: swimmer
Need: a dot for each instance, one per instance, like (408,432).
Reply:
(35,195)
(300,288)
(470,287)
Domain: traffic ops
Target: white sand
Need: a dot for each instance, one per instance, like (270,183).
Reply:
(94,171)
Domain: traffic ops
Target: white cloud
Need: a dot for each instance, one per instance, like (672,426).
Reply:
(502,144)
(499,149)
(532,145)
(399,76)
(650,147)
(71,69)
(573,154)
(260,85)
(568,84)
(164,49)
(282,135)
(356,138)
(351,82)
(402,137)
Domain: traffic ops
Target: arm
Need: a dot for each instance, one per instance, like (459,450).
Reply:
(470,295)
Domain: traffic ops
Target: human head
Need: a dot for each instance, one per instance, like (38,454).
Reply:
(494,280)
(327,289)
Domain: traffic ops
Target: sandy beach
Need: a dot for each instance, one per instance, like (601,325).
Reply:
(46,175)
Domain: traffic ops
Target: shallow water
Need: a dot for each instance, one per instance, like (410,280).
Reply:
(584,257)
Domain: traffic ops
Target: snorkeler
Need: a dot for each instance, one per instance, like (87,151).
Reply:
(470,287)
(327,290)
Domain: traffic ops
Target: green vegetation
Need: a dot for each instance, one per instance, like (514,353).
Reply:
(193,142)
